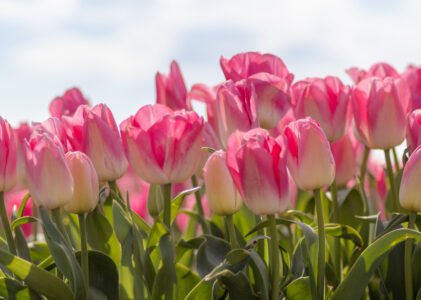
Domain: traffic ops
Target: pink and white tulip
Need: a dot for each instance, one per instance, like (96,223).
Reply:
(8,173)
(344,152)
(410,188)
(413,130)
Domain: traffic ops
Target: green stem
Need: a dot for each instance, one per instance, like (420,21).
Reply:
(391,180)
(322,250)
(395,159)
(166,192)
(261,242)
(35,213)
(6,226)
(84,251)
(56,214)
(364,163)
(274,257)
(200,210)
(336,219)
(114,187)
(408,259)
(231,232)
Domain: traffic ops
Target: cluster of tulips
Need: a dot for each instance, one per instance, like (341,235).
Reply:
(153,208)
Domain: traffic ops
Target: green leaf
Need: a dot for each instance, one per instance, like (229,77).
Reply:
(23,220)
(202,290)
(178,201)
(186,279)
(210,254)
(353,286)
(21,244)
(238,285)
(13,290)
(350,207)
(38,251)
(345,232)
(22,206)
(299,289)
(129,283)
(36,278)
(122,223)
(101,236)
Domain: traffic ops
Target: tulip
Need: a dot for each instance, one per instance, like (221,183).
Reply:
(234,110)
(8,173)
(95,132)
(163,146)
(221,192)
(54,127)
(257,163)
(344,153)
(86,186)
(49,178)
(413,130)
(310,160)
(244,65)
(13,200)
(67,104)
(207,95)
(209,140)
(379,112)
(324,100)
(171,89)
(412,77)
(381,70)
(22,133)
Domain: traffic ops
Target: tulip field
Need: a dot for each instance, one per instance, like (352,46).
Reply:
(276,192)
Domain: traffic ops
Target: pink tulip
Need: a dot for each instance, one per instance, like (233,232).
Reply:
(67,104)
(95,132)
(379,112)
(49,178)
(22,133)
(209,140)
(53,127)
(412,76)
(376,186)
(221,192)
(381,70)
(163,146)
(235,108)
(326,101)
(410,189)
(413,130)
(310,160)
(244,65)
(86,185)
(280,127)
(344,152)
(13,199)
(8,173)
(171,89)
(257,163)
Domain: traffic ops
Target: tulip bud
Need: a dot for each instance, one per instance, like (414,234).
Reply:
(380,112)
(86,186)
(324,100)
(209,140)
(163,146)
(221,192)
(171,89)
(344,153)
(257,163)
(49,178)
(410,189)
(310,160)
(155,200)
(8,173)
(413,130)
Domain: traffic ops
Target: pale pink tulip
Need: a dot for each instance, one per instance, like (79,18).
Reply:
(163,146)
(310,160)
(67,104)
(22,133)
(410,188)
(257,163)
(54,127)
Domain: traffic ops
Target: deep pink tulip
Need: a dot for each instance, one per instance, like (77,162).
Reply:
(22,133)
(49,178)
(54,127)
(163,146)
(413,130)
(325,101)
(380,112)
(310,160)
(235,108)
(67,104)
(95,132)
(244,65)
(257,163)
(171,89)
(13,199)
(381,70)
(8,173)
(344,152)
(410,188)
(86,185)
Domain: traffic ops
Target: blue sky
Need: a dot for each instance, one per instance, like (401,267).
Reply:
(112,49)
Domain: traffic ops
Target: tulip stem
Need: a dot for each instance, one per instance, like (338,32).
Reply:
(336,219)
(364,163)
(231,232)
(274,257)
(408,259)
(84,251)
(391,180)
(395,159)
(202,219)
(56,214)
(166,191)
(35,225)
(6,226)
(322,250)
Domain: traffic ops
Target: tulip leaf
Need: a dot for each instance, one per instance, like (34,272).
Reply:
(13,290)
(38,279)
(101,236)
(354,284)
(122,223)
(23,220)
(350,207)
(209,149)
(178,201)
(202,290)
(345,232)
(38,251)
(299,289)
(210,254)
(22,206)
(129,282)
(186,279)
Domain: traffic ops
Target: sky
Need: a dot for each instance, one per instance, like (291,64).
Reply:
(112,50)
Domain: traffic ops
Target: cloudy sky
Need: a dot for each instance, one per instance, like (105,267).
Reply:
(112,49)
